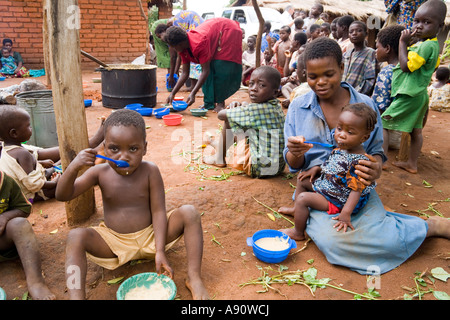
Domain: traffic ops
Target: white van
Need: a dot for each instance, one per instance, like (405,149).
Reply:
(247,18)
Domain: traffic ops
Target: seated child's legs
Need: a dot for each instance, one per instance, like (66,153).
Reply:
(303,202)
(187,220)
(303,185)
(19,233)
(80,241)
(226,140)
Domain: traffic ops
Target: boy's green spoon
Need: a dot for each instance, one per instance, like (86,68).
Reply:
(119,163)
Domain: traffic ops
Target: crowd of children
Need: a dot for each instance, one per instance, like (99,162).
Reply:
(328,63)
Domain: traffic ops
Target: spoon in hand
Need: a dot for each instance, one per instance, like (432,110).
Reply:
(119,163)
(326,145)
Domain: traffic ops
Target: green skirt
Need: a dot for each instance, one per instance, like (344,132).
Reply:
(406,113)
(223,81)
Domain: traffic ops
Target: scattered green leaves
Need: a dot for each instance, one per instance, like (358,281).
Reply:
(440,274)
(422,283)
(426,184)
(307,278)
(275,213)
(216,241)
(116,280)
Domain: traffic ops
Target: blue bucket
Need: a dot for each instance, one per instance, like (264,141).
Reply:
(2,294)
(87,103)
(270,256)
(175,77)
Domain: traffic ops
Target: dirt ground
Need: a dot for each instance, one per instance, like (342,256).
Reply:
(231,213)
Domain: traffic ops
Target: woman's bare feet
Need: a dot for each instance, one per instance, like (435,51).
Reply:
(287,210)
(438,227)
(294,234)
(197,289)
(405,166)
(219,106)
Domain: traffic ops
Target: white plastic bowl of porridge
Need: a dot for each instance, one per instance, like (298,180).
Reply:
(271,246)
(147,286)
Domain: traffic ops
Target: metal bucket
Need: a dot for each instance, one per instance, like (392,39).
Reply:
(126,84)
(39,104)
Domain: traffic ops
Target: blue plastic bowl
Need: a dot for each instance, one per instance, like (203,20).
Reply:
(147,112)
(2,78)
(2,294)
(133,106)
(179,105)
(146,279)
(268,255)
(160,112)
(87,102)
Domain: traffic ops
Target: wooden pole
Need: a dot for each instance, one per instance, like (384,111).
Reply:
(147,33)
(260,31)
(67,89)
(45,37)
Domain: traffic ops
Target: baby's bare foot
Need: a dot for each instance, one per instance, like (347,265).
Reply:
(294,234)
(287,210)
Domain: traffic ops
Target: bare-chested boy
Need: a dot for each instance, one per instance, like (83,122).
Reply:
(281,46)
(134,209)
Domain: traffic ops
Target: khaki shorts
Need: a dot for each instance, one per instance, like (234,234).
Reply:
(128,246)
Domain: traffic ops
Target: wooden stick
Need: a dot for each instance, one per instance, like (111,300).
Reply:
(67,89)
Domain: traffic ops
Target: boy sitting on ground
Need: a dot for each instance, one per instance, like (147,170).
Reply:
(136,224)
(262,121)
(30,166)
(17,238)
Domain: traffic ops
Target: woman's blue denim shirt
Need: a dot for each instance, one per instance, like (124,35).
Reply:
(305,118)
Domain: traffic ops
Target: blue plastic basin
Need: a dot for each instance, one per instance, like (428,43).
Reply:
(160,112)
(147,112)
(179,105)
(268,255)
(133,106)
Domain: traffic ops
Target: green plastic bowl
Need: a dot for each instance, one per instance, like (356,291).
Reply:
(198,112)
(2,294)
(146,279)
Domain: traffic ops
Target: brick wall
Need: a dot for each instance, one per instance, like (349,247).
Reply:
(111,30)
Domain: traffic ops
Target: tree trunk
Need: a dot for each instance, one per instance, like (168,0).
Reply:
(63,23)
(260,31)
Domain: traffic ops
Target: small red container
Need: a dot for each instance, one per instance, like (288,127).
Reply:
(179,98)
(172,119)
